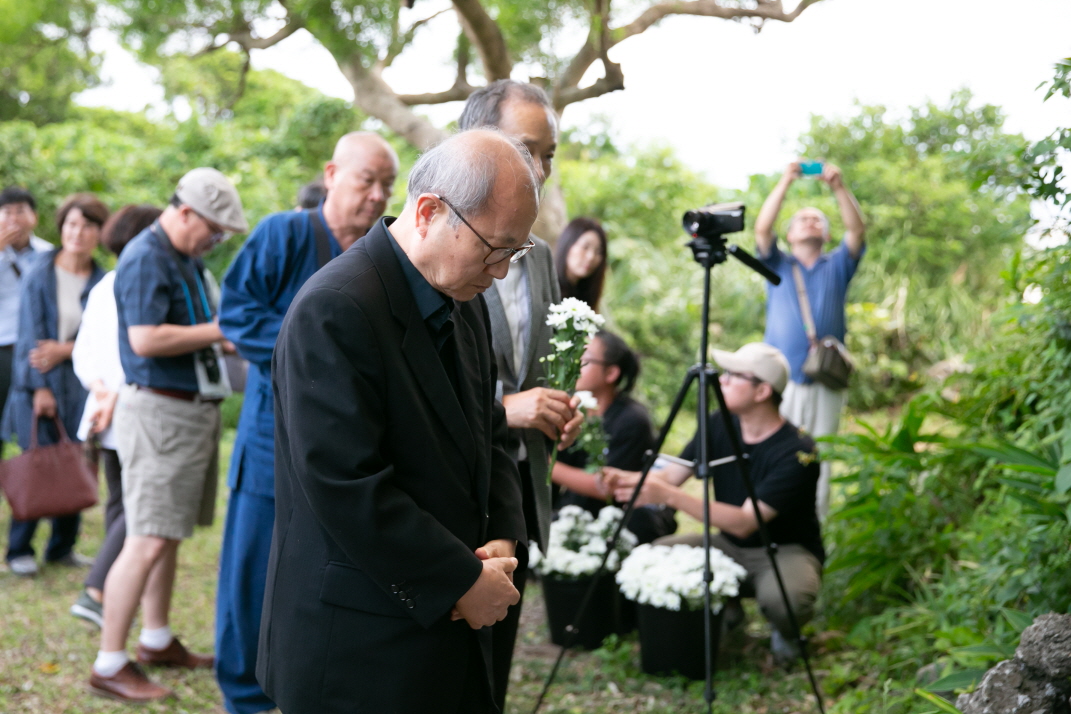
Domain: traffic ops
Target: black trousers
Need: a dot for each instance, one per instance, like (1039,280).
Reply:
(504,633)
(114,521)
(7,357)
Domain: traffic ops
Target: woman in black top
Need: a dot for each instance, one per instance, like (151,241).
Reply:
(609,370)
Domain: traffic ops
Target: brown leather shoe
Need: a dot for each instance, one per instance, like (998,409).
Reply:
(174,655)
(128,685)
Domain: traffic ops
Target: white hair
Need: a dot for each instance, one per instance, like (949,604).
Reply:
(820,212)
(466,178)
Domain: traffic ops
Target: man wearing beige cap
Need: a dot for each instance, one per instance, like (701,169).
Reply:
(784,468)
(166,424)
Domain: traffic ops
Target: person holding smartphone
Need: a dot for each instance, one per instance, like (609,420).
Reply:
(825,274)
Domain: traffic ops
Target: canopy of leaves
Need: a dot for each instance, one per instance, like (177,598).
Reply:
(277,138)
(944,214)
(44,57)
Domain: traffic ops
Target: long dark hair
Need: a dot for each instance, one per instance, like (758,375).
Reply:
(616,353)
(588,289)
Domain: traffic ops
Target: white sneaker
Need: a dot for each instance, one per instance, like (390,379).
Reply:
(24,566)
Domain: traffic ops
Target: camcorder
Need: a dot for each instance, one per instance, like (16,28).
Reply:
(714,220)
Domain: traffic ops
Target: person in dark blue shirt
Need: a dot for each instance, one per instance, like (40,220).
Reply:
(166,424)
(813,407)
(283,252)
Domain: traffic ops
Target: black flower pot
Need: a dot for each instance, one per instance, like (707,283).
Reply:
(671,641)
(563,598)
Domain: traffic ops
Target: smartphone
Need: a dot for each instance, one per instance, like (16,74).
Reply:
(811,168)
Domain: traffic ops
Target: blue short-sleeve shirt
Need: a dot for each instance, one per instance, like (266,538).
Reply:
(150,290)
(827,286)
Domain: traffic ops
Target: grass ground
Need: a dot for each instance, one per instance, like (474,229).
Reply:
(46,654)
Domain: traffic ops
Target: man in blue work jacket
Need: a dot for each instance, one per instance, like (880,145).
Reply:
(280,255)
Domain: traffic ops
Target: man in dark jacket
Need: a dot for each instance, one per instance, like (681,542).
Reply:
(398,511)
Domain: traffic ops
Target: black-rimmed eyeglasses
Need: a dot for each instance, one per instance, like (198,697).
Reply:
(494,255)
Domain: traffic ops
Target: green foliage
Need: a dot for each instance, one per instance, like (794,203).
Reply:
(1045,179)
(654,287)
(944,213)
(277,138)
(44,58)
(900,485)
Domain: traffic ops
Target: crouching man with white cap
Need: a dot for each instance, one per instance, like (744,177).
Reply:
(166,424)
(784,468)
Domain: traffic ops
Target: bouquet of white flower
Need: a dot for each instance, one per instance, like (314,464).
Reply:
(592,438)
(574,323)
(578,542)
(671,577)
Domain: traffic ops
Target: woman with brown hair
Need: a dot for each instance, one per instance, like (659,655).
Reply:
(44,387)
(580,260)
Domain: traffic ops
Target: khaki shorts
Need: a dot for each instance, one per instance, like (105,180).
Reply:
(169,450)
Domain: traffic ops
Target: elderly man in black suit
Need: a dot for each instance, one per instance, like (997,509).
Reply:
(398,511)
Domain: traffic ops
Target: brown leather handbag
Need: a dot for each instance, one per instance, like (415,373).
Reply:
(49,481)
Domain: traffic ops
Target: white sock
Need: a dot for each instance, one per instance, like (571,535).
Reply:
(156,639)
(108,664)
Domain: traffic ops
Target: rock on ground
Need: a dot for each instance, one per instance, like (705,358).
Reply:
(1046,646)
(1012,687)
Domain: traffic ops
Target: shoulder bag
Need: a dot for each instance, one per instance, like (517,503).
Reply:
(828,361)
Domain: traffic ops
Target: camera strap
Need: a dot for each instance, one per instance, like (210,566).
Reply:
(323,245)
(200,309)
(805,303)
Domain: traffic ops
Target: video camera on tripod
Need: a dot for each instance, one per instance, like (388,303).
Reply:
(708,227)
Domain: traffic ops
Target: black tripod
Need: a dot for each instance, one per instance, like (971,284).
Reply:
(709,249)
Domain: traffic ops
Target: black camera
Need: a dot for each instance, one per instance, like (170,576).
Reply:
(208,359)
(714,220)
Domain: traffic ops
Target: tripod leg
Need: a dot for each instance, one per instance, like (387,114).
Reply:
(571,631)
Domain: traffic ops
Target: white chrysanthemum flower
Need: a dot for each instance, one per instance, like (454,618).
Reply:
(672,576)
(578,543)
(587,400)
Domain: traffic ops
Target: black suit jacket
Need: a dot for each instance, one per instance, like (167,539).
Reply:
(386,482)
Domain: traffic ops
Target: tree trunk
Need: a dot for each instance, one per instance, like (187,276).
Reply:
(375,97)
(552,214)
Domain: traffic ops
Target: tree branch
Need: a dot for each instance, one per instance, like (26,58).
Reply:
(377,99)
(567,89)
(764,10)
(487,36)
(399,43)
(456,93)
(244,35)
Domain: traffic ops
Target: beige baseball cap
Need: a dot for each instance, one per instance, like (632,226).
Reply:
(212,195)
(764,361)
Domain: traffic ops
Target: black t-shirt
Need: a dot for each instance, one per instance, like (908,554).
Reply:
(629,435)
(784,469)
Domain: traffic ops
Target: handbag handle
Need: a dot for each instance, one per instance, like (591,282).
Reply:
(59,426)
(805,304)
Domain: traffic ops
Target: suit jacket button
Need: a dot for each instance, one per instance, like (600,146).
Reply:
(403,594)
(394,588)
(410,604)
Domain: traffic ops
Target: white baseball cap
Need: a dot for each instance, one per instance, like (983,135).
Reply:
(214,197)
(760,359)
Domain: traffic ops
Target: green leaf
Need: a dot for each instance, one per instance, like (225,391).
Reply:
(986,650)
(939,702)
(1018,619)
(1063,479)
(964,679)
